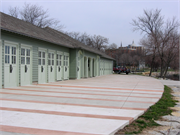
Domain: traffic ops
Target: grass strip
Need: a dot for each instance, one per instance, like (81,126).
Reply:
(161,108)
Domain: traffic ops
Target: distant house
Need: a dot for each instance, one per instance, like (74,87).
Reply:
(29,54)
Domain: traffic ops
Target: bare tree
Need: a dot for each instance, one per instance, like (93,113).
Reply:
(36,15)
(151,50)
(157,32)
(171,51)
(14,12)
(98,42)
(165,36)
(112,46)
(126,59)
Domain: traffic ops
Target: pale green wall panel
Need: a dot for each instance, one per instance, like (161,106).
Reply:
(2,78)
(73,64)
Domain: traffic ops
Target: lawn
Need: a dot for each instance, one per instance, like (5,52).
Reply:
(161,108)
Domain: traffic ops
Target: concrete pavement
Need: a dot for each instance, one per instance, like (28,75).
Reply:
(93,106)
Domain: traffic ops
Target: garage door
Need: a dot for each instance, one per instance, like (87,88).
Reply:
(59,63)
(51,66)
(10,65)
(26,68)
(42,66)
(66,66)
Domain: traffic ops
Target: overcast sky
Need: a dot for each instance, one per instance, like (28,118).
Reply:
(108,18)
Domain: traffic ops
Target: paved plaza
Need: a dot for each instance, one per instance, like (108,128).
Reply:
(94,106)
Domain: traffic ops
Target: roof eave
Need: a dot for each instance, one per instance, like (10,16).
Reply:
(5,29)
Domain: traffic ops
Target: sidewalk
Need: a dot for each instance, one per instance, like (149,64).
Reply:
(100,105)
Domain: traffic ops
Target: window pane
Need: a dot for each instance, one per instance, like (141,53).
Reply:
(49,55)
(6,58)
(22,51)
(27,60)
(52,55)
(43,54)
(43,61)
(39,61)
(27,52)
(14,59)
(52,62)
(57,56)
(60,57)
(22,60)
(49,62)
(6,49)
(14,50)
(39,54)
(60,63)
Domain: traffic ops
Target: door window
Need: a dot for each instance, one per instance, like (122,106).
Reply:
(59,58)
(50,59)
(22,56)
(10,55)
(27,56)
(13,55)
(7,54)
(67,60)
(41,59)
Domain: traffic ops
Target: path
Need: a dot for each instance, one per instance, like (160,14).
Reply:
(94,106)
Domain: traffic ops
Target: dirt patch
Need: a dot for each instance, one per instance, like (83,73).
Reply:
(135,127)
(147,131)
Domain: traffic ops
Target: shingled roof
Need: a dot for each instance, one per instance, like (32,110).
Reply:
(15,25)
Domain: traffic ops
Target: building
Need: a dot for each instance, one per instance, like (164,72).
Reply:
(131,48)
(29,54)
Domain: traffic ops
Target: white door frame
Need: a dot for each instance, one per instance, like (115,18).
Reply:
(29,67)
(10,65)
(42,66)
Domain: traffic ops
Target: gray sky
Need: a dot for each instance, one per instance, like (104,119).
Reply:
(108,18)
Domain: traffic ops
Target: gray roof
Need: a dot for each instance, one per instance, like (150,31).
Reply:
(14,25)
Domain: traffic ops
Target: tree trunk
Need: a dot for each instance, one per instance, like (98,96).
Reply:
(152,63)
(165,71)
(162,68)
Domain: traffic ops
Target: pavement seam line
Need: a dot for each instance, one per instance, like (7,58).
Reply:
(68,114)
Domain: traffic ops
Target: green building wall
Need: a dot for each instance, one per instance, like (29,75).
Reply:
(99,62)
(6,36)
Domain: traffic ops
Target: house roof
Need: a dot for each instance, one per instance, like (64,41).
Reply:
(15,25)
(77,44)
